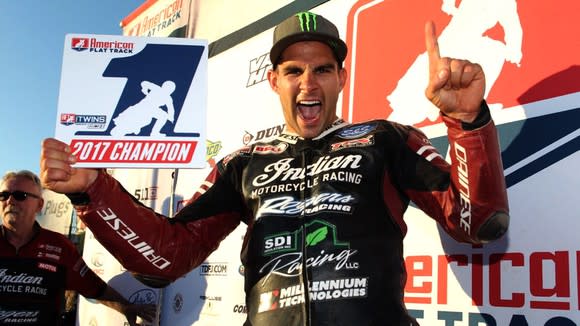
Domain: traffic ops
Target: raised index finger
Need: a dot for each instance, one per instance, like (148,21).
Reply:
(432,47)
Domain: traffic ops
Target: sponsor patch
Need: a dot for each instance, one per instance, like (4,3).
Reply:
(323,290)
(356,131)
(229,157)
(323,202)
(48,267)
(270,149)
(292,139)
(359,142)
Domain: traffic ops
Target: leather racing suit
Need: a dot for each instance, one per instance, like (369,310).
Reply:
(324,216)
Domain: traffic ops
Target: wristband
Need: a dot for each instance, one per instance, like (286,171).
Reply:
(482,118)
(79,198)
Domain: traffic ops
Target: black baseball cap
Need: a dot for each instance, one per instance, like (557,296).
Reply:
(306,26)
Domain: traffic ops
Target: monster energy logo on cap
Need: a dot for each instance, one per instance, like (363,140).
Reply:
(305,18)
(306,26)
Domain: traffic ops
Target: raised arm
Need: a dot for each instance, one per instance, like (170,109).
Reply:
(56,171)
(455,86)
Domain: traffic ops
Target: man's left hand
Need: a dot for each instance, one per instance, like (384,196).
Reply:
(455,86)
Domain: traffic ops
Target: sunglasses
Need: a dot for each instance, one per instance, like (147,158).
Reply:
(18,195)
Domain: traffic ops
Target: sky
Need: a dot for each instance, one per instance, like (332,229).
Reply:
(31,46)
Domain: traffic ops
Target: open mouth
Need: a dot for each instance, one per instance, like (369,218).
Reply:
(309,110)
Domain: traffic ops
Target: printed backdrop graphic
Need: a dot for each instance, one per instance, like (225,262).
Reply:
(90,312)
(529,54)
(158,18)
(56,214)
(517,43)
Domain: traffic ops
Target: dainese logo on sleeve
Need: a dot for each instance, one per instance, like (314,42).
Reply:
(80,43)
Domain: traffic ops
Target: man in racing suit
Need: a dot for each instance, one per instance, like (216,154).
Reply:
(323,202)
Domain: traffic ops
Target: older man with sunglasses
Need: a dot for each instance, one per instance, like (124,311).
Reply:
(37,265)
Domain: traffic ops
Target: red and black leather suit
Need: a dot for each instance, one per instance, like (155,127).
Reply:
(323,216)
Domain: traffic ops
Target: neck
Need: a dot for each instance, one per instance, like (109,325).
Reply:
(19,238)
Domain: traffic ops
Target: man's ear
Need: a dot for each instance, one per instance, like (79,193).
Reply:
(40,205)
(342,75)
(273,80)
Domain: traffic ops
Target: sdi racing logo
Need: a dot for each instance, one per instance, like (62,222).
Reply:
(321,237)
(286,261)
(318,231)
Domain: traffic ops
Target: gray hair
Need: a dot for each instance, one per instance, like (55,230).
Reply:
(23,174)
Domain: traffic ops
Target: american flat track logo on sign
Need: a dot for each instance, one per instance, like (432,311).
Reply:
(134,101)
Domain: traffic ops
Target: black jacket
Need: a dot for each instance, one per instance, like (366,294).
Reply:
(324,216)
